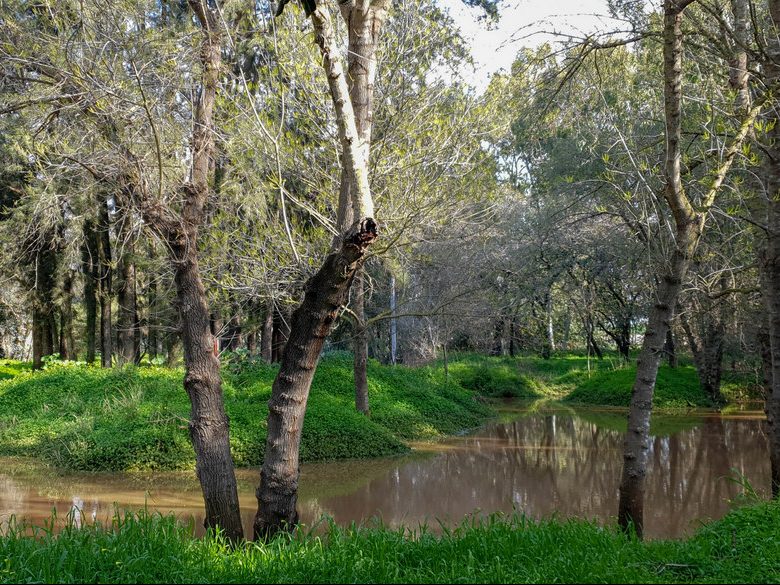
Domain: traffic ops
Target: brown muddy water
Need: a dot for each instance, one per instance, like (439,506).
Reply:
(542,462)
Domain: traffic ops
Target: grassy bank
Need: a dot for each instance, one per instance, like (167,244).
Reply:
(743,547)
(85,418)
(581,380)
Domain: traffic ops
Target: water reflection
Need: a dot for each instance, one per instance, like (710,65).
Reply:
(549,463)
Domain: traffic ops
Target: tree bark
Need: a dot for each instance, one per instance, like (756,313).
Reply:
(128,334)
(393,323)
(67,340)
(707,350)
(89,268)
(771,263)
(360,366)
(327,290)
(689,222)
(363,37)
(209,424)
(152,322)
(326,293)
(104,283)
(669,349)
(266,339)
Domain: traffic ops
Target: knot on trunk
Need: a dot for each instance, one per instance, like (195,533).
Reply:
(361,234)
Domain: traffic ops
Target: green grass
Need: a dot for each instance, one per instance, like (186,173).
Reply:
(675,387)
(743,547)
(576,379)
(12,368)
(85,418)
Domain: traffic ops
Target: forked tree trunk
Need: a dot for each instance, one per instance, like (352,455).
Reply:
(689,222)
(326,292)
(209,425)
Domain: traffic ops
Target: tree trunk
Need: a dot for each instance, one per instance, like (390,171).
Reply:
(707,351)
(281,334)
(216,327)
(326,293)
(393,324)
(548,310)
(152,322)
(360,366)
(37,338)
(327,290)
(128,334)
(266,340)
(104,283)
(669,349)
(209,424)
(89,268)
(765,350)
(512,336)
(67,340)
(771,264)
(689,222)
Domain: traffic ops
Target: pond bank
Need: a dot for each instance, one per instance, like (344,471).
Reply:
(85,418)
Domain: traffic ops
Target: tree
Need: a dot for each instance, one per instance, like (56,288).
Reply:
(327,290)
(689,220)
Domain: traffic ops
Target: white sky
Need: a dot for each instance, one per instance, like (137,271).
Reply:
(519,25)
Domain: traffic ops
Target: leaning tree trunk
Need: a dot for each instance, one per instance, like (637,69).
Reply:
(632,485)
(326,292)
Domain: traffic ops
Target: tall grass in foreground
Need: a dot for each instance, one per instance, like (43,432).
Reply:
(742,547)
